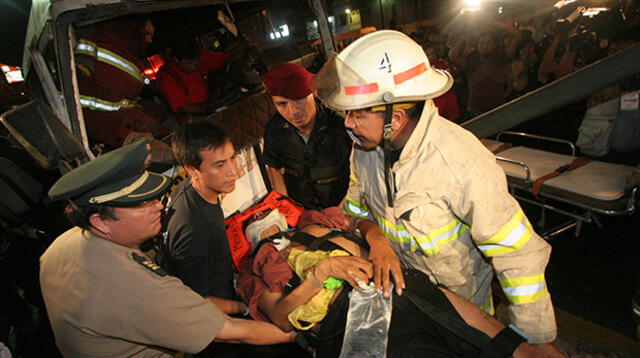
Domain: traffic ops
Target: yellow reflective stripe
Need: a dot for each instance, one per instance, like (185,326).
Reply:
(97,104)
(354,208)
(515,234)
(86,47)
(395,233)
(488,306)
(353,178)
(522,290)
(431,243)
(115,60)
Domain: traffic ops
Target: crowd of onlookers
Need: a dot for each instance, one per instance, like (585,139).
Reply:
(495,60)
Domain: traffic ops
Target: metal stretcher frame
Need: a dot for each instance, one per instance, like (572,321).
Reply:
(551,195)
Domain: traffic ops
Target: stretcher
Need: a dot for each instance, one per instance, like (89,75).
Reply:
(581,189)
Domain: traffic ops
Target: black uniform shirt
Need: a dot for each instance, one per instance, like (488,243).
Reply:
(316,172)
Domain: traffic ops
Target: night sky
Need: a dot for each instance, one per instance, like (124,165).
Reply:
(14,15)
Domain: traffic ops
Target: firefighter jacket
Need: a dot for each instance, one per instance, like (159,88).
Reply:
(316,170)
(454,219)
(109,62)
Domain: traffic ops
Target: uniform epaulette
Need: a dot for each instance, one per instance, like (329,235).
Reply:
(144,261)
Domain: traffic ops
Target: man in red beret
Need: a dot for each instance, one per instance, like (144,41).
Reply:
(306,146)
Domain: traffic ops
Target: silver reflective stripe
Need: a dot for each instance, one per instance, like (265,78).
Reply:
(445,235)
(403,233)
(509,241)
(355,209)
(85,48)
(112,59)
(94,104)
(524,290)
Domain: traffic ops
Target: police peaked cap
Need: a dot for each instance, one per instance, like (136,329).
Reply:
(117,178)
(288,80)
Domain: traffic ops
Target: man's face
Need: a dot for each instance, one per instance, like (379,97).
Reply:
(301,113)
(217,172)
(135,224)
(147,32)
(189,65)
(367,126)
(486,45)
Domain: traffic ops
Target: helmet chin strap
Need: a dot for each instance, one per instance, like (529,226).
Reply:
(386,146)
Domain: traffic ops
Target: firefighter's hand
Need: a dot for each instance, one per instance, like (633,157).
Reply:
(385,265)
(348,268)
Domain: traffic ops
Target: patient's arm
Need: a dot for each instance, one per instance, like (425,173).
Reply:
(277,306)
(480,320)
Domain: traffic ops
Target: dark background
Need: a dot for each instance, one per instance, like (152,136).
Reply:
(14,15)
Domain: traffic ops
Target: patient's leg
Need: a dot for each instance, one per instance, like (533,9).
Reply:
(473,315)
(482,321)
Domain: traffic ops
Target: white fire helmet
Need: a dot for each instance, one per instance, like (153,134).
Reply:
(380,68)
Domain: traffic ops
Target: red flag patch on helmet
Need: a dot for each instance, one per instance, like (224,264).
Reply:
(362,89)
(409,74)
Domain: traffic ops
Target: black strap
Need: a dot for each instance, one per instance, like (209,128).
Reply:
(386,146)
(307,341)
(501,346)
(317,243)
(263,168)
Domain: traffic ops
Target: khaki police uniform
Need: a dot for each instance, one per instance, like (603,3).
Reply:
(108,300)
(454,219)
(105,300)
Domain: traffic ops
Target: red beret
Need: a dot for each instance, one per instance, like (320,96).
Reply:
(288,80)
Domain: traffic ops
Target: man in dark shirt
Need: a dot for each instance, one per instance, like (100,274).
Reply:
(197,245)
(306,146)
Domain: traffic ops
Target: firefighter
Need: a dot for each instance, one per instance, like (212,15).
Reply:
(110,62)
(424,192)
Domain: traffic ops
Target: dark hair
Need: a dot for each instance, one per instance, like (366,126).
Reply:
(416,111)
(79,215)
(186,49)
(193,137)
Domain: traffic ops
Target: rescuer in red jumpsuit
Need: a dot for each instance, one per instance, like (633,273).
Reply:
(110,64)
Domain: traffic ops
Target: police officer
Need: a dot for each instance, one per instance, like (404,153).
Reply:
(103,296)
(306,146)
(425,193)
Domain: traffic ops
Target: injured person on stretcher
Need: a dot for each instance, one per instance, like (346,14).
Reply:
(301,280)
